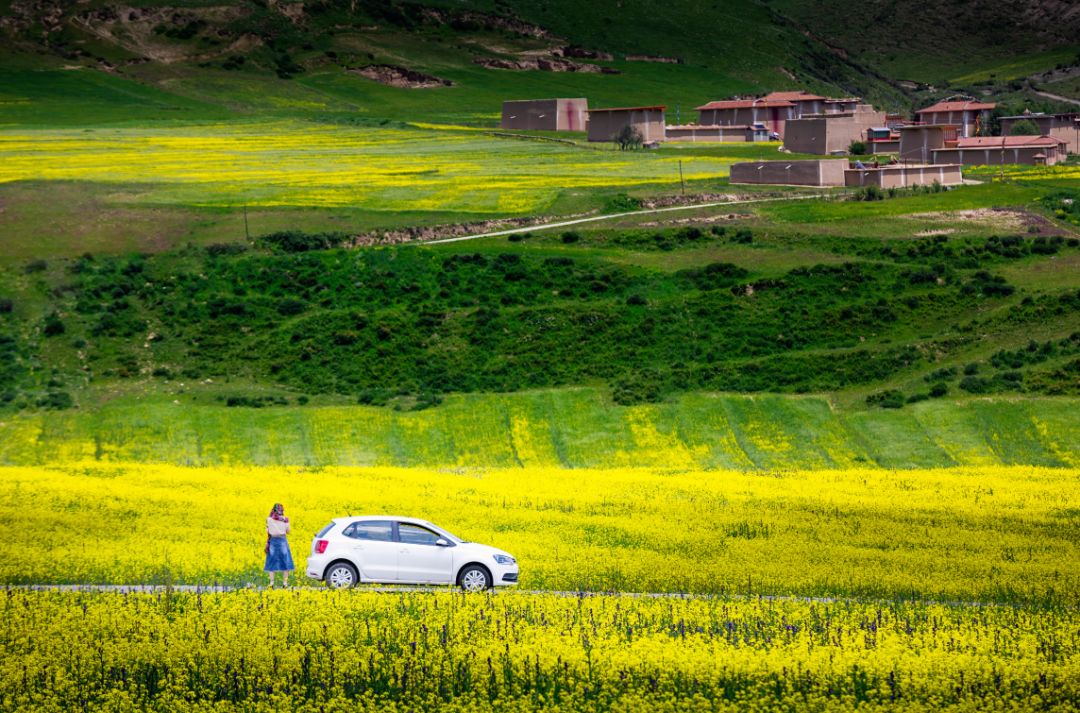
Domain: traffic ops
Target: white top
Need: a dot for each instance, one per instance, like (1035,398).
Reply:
(276,528)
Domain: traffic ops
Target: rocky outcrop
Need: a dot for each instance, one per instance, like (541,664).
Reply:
(394,76)
(544,64)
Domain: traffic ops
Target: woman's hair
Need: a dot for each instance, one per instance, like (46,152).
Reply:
(278,508)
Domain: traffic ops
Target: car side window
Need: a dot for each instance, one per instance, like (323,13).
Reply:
(378,530)
(416,535)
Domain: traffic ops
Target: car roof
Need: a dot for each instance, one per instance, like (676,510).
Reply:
(399,518)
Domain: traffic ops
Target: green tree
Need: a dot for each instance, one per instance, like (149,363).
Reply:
(1024,127)
(629,138)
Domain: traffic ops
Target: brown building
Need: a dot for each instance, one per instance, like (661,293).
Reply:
(747,112)
(904,175)
(882,139)
(971,116)
(918,142)
(807,103)
(605,124)
(831,133)
(827,172)
(733,133)
(994,150)
(1061,126)
(545,114)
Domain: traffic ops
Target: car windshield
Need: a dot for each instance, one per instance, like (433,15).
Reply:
(446,533)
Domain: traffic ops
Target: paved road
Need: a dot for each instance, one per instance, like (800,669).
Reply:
(613,216)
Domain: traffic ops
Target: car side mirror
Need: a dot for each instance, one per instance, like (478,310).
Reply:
(442,543)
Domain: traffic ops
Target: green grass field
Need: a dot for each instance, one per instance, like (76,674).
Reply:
(575,428)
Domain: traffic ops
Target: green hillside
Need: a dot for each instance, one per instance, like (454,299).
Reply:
(575,428)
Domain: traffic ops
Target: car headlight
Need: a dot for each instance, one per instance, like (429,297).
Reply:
(505,559)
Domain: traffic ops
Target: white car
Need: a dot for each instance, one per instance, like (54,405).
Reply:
(404,550)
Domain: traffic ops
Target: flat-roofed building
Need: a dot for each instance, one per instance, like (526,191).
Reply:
(1061,126)
(821,172)
(970,115)
(904,175)
(831,133)
(605,124)
(918,141)
(747,112)
(736,133)
(545,114)
(807,103)
(995,150)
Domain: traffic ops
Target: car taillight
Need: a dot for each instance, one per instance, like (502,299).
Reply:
(320,546)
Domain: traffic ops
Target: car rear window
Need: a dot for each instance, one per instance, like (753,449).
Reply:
(379,530)
(325,530)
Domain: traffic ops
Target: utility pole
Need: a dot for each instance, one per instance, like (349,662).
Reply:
(681,181)
(247,233)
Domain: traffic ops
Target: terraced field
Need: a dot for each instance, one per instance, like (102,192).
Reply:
(571,428)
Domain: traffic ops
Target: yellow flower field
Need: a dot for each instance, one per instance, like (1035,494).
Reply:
(364,651)
(970,534)
(297,164)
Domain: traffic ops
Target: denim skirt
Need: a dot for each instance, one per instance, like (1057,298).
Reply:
(278,557)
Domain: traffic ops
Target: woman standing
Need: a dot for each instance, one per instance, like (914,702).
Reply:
(278,557)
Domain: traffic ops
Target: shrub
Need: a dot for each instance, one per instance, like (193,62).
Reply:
(636,300)
(294,241)
(971,369)
(938,390)
(35,266)
(290,306)
(629,138)
(56,400)
(54,326)
(225,249)
(1024,127)
(916,398)
(890,398)
(570,237)
(622,203)
(857,148)
(743,236)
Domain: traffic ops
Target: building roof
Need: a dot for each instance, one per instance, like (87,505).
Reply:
(1009,142)
(725,127)
(743,104)
(912,127)
(957,106)
(628,108)
(797,96)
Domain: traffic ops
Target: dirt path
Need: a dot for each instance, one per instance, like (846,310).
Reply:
(613,216)
(1058,97)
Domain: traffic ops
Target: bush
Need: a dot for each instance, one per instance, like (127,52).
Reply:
(294,241)
(570,237)
(938,390)
(890,398)
(629,138)
(54,326)
(1024,127)
(857,148)
(743,236)
(35,266)
(56,400)
(622,203)
(636,300)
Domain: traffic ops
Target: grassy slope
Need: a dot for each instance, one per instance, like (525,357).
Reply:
(956,40)
(575,428)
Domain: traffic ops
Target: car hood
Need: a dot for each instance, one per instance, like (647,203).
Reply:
(476,549)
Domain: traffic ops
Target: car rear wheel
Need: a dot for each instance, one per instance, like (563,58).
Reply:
(474,578)
(341,575)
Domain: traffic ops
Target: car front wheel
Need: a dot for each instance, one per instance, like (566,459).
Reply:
(474,578)
(341,576)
